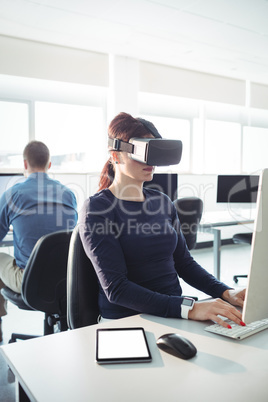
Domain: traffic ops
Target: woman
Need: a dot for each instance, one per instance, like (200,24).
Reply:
(131,235)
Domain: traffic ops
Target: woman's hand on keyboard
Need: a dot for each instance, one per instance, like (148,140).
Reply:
(234,296)
(212,309)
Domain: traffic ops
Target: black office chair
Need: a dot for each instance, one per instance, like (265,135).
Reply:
(189,211)
(240,238)
(82,286)
(44,283)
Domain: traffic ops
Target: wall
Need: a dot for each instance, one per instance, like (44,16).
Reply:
(31,59)
(169,80)
(124,76)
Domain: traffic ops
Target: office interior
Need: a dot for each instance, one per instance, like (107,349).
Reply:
(64,91)
(197,70)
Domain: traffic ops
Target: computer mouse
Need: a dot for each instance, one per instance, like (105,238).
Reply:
(177,345)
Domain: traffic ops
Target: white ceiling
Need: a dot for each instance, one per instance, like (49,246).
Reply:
(225,37)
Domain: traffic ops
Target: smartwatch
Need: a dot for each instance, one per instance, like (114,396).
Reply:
(186,305)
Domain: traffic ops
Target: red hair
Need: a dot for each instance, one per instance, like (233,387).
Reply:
(123,127)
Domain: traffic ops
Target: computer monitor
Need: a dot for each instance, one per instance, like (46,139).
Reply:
(237,194)
(256,301)
(167,183)
(237,188)
(8,180)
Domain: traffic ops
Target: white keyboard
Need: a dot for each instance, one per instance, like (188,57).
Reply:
(237,331)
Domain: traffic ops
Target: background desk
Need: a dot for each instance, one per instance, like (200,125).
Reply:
(61,367)
(7,240)
(213,222)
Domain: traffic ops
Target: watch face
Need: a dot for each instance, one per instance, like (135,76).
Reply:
(188,302)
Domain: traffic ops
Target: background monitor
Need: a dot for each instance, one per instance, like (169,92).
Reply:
(237,188)
(8,180)
(167,183)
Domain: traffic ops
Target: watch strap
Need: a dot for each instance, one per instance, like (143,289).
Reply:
(184,312)
(186,306)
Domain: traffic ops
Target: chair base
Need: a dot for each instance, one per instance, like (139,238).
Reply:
(238,239)
(235,277)
(50,324)
(23,337)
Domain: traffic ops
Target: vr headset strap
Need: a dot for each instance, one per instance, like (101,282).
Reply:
(150,127)
(119,145)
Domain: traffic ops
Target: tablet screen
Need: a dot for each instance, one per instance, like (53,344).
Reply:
(122,345)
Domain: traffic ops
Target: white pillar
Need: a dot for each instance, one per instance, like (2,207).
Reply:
(123,86)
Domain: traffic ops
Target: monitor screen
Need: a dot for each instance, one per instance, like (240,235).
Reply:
(167,183)
(8,180)
(237,188)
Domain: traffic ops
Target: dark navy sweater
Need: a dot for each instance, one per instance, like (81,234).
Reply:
(139,254)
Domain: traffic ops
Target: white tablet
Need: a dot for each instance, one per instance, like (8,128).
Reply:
(122,345)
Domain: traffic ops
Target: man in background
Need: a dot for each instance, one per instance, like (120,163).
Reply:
(33,208)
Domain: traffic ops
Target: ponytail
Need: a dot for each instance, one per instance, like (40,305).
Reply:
(107,175)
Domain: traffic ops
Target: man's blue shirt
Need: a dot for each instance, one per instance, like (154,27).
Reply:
(36,207)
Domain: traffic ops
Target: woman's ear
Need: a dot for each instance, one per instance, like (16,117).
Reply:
(115,157)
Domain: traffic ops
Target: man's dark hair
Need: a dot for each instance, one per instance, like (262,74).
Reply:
(37,154)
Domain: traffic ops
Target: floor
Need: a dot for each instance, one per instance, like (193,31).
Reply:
(235,259)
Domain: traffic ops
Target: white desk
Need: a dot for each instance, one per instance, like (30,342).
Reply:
(61,367)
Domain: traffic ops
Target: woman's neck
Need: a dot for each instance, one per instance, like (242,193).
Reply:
(128,190)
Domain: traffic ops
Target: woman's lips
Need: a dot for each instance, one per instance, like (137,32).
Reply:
(149,169)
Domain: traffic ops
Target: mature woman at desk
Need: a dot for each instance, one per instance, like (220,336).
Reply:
(129,233)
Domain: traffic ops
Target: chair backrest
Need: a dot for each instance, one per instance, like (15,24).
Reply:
(44,279)
(82,286)
(189,211)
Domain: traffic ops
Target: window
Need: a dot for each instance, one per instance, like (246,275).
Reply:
(255,145)
(14,128)
(221,147)
(70,118)
(174,129)
(74,135)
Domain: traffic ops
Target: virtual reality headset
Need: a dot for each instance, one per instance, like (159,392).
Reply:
(151,151)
